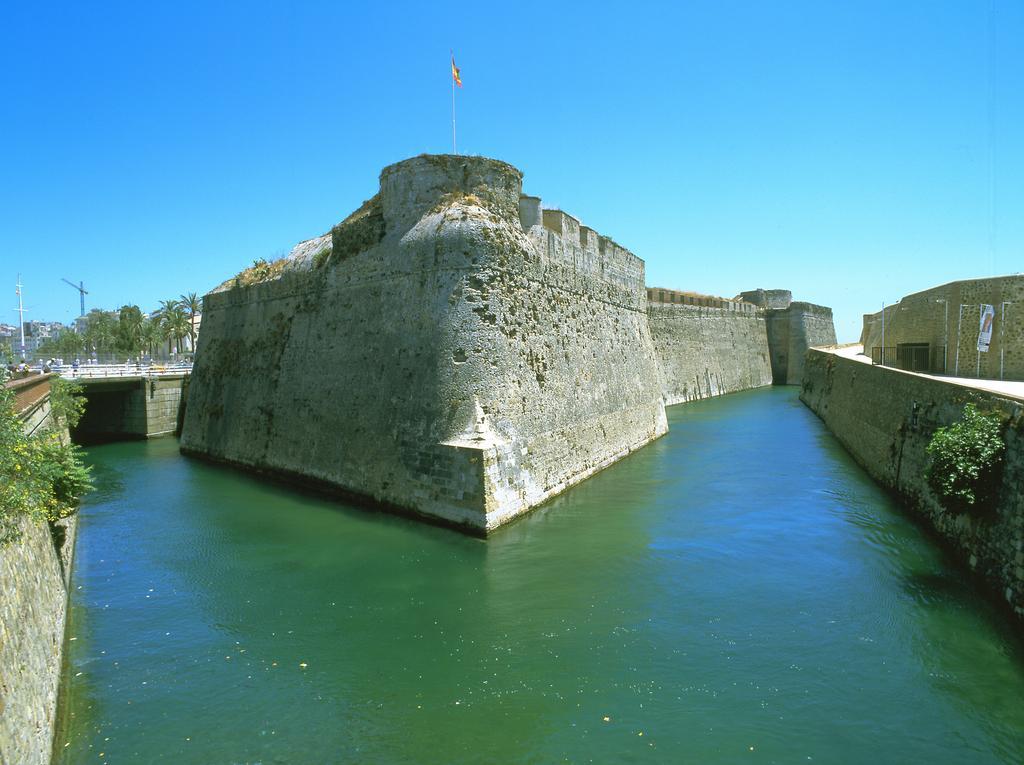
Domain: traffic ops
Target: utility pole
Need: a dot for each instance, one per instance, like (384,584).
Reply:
(959,321)
(981,314)
(882,361)
(21,317)
(1002,334)
(945,337)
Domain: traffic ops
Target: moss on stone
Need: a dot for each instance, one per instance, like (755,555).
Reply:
(358,232)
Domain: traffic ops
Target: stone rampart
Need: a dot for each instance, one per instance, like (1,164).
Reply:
(660,295)
(762,298)
(35,576)
(886,417)
(452,350)
(791,331)
(709,351)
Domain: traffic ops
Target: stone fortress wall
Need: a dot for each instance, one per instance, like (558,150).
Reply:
(453,349)
(708,346)
(933,317)
(792,328)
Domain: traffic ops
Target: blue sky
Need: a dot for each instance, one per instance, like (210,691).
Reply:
(850,152)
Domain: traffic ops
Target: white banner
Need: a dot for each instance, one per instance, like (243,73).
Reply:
(988,314)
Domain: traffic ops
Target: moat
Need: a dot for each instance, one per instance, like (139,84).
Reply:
(738,590)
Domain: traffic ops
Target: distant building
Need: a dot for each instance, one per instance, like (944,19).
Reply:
(940,330)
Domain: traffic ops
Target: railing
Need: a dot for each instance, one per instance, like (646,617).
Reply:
(911,357)
(100,371)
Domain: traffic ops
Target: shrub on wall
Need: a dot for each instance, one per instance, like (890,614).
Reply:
(967,458)
(41,476)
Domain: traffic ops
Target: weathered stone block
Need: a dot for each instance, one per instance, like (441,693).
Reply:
(475,361)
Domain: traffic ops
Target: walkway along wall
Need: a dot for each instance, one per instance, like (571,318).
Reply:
(451,349)
(34,582)
(885,418)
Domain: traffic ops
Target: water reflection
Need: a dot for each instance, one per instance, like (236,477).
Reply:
(737,584)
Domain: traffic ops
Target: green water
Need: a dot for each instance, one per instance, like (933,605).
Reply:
(737,592)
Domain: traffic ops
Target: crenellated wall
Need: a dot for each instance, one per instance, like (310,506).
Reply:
(455,352)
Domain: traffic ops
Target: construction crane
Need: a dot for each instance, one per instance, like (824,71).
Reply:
(82,291)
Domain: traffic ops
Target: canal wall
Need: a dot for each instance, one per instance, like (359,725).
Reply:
(452,349)
(886,417)
(35,574)
(708,350)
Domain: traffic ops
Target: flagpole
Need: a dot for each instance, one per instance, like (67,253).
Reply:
(454,150)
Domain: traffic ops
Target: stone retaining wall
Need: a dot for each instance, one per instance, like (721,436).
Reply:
(35,576)
(885,418)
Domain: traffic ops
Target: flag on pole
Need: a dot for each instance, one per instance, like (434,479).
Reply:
(455,73)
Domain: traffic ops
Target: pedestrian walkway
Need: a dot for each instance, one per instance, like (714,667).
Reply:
(1012,388)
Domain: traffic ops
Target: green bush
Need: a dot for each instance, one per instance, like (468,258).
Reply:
(321,257)
(41,476)
(967,459)
(66,401)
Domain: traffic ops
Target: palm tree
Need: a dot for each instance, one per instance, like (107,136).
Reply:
(129,329)
(169,311)
(100,331)
(191,303)
(151,334)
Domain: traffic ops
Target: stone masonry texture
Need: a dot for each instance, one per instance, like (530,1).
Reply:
(450,349)
(34,583)
(131,407)
(886,417)
(948,317)
(709,350)
(455,350)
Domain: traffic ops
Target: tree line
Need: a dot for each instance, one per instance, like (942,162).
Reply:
(128,332)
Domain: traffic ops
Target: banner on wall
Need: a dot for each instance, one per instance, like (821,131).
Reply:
(988,314)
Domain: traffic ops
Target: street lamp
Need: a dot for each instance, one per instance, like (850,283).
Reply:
(945,336)
(1002,334)
(959,322)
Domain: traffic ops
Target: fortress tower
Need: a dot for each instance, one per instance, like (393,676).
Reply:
(451,350)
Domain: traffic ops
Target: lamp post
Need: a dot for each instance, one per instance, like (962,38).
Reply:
(945,335)
(981,314)
(882,360)
(959,322)
(1002,334)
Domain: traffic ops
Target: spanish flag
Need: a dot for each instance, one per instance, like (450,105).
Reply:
(455,73)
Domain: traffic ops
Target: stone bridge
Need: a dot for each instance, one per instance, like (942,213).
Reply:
(127,403)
